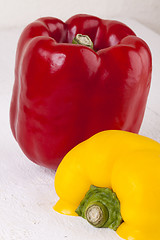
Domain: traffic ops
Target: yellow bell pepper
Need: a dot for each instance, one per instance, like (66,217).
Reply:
(113,180)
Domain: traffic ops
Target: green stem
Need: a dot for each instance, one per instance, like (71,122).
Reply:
(83,40)
(101,208)
(97,214)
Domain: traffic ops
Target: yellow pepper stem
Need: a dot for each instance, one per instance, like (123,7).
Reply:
(101,208)
(97,214)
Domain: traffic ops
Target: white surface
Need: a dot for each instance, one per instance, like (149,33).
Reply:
(27,190)
(19,12)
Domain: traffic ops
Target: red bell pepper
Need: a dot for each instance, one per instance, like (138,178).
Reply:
(64,93)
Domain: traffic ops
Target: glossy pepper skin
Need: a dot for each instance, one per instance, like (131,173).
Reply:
(126,163)
(65,93)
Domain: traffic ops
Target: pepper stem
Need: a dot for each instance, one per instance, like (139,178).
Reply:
(97,214)
(83,40)
(101,208)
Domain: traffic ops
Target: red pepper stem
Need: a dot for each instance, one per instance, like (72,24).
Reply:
(83,40)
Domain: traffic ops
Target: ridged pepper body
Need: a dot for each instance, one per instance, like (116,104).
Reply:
(126,163)
(64,93)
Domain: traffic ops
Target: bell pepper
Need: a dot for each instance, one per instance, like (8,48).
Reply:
(65,92)
(113,180)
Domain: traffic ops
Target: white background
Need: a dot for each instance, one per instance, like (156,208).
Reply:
(21,12)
